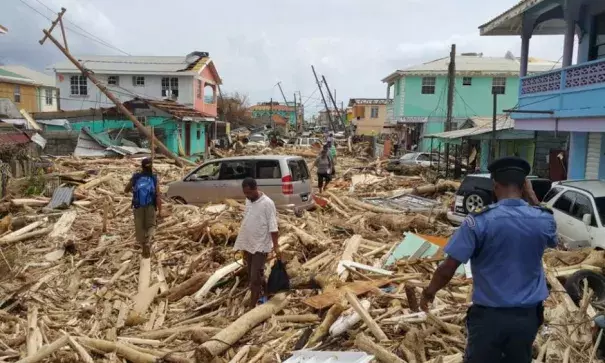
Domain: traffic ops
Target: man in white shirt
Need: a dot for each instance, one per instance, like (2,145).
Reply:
(257,236)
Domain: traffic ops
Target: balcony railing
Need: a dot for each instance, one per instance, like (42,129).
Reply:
(567,79)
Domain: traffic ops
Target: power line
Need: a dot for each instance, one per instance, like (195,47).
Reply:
(98,40)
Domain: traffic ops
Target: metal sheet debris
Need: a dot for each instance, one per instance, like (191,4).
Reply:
(309,356)
(62,198)
(411,203)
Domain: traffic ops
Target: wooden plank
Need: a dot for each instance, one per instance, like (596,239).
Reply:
(330,298)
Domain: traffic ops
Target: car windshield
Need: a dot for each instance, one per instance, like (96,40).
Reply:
(408,157)
(257,138)
(600,202)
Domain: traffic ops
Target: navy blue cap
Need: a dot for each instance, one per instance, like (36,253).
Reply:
(509,169)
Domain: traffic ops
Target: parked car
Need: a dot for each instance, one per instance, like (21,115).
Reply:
(285,179)
(416,158)
(307,141)
(257,140)
(477,191)
(340,135)
(579,209)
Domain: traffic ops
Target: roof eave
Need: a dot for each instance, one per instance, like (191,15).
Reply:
(391,77)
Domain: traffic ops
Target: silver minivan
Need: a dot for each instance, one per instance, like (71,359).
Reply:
(285,179)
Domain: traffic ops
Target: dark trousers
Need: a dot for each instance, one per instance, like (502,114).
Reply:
(502,335)
(255,267)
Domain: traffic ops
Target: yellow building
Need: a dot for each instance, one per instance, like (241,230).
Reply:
(22,91)
(369,114)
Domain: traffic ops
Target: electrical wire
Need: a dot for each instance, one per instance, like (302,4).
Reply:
(106,44)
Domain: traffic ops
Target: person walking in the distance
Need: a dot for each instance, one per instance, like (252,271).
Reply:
(146,202)
(505,243)
(325,168)
(258,235)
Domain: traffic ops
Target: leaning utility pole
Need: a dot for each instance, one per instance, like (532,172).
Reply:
(333,102)
(494,122)
(324,99)
(451,78)
(142,129)
(282,93)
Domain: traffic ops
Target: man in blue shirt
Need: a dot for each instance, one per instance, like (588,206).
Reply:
(505,243)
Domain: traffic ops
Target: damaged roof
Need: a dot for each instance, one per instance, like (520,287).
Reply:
(16,137)
(128,64)
(171,107)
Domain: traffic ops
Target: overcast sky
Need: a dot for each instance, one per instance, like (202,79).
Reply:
(255,44)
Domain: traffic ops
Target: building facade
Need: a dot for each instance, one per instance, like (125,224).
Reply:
(20,90)
(419,93)
(192,81)
(369,114)
(47,95)
(265,110)
(570,98)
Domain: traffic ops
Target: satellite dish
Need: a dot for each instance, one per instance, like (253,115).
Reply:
(195,56)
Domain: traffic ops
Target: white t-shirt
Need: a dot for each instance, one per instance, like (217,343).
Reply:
(260,219)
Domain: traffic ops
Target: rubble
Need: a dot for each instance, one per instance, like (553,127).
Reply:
(70,289)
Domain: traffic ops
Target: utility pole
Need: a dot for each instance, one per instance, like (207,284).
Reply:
(142,129)
(301,107)
(282,93)
(296,125)
(323,98)
(271,115)
(494,115)
(451,78)
(333,100)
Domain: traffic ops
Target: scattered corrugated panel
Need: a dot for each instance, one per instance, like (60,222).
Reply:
(309,356)
(62,198)
(405,203)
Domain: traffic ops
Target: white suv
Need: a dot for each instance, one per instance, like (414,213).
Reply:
(579,209)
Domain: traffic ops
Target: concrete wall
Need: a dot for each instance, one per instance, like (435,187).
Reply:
(60,143)
(206,102)
(545,142)
(125,91)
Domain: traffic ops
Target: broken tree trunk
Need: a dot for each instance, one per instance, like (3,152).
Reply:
(120,349)
(351,247)
(231,334)
(96,181)
(46,350)
(372,325)
(366,344)
(63,225)
(141,303)
(186,288)
(324,328)
(216,277)
(22,231)
(26,236)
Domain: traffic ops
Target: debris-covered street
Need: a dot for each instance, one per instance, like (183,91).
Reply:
(357,266)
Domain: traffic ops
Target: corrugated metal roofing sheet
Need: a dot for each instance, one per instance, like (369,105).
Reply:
(41,78)
(405,203)
(479,64)
(62,198)
(309,356)
(505,124)
(14,138)
(127,64)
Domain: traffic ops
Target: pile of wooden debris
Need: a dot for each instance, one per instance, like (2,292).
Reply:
(70,289)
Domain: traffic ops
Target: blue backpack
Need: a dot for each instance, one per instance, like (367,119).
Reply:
(143,191)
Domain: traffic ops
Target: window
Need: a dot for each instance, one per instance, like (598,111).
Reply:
(564,202)
(423,157)
(79,85)
(209,94)
(597,38)
(236,170)
(268,169)
(467,81)
(142,120)
(199,89)
(198,133)
(551,194)
(600,203)
(138,81)
(170,87)
(115,80)
(206,172)
(499,85)
(17,94)
(428,85)
(397,87)
(374,112)
(298,170)
(48,95)
(583,206)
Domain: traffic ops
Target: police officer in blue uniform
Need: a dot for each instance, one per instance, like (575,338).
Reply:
(505,243)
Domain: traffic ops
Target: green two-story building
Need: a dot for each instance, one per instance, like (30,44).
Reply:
(420,93)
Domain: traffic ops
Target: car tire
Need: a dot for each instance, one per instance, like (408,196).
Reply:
(475,200)
(596,282)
